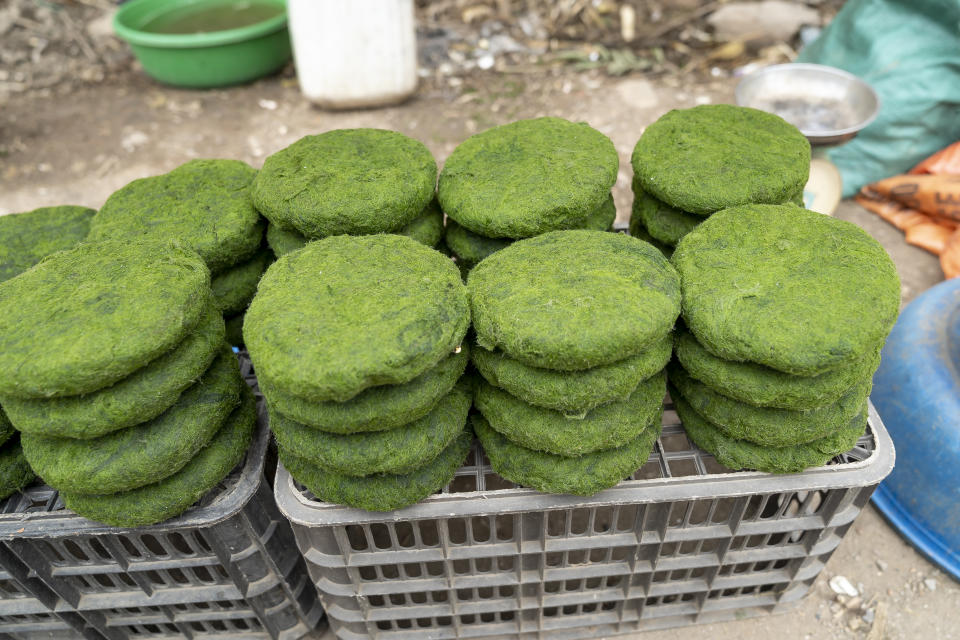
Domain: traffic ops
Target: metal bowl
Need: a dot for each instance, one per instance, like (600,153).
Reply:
(828,105)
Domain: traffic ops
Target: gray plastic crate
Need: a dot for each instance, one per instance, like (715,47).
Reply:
(683,541)
(228,566)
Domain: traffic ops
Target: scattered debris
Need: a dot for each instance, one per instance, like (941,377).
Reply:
(766,21)
(842,586)
(882,565)
(269,105)
(930,584)
(134,139)
(879,628)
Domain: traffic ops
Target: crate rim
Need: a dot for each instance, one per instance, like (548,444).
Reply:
(870,471)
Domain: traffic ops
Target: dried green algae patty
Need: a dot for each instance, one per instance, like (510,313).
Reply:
(348,181)
(142,396)
(572,391)
(740,454)
(381,492)
(347,313)
(204,205)
(86,318)
(605,427)
(234,288)
(787,288)
(711,157)
(400,450)
(15,472)
(664,223)
(175,494)
(582,476)
(471,248)
(572,300)
(144,453)
(377,408)
(26,238)
(766,426)
(765,387)
(527,177)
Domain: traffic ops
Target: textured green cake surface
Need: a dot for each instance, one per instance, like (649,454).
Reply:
(145,453)
(282,242)
(354,181)
(143,395)
(377,408)
(768,426)
(608,426)
(15,472)
(740,454)
(572,391)
(583,476)
(399,451)
(665,223)
(765,387)
(85,318)
(639,231)
(233,330)
(347,313)
(383,492)
(527,177)
(711,157)
(234,288)
(26,238)
(571,300)
(204,205)
(788,288)
(173,495)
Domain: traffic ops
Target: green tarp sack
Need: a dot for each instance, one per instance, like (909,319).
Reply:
(909,51)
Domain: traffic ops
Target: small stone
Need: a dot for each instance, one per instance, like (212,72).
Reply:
(882,565)
(770,20)
(854,623)
(869,615)
(930,584)
(842,599)
(853,603)
(841,585)
(269,105)
(485,62)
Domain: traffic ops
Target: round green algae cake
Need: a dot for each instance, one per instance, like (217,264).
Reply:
(711,157)
(572,300)
(234,289)
(528,177)
(86,318)
(663,222)
(581,476)
(398,451)
(768,426)
(740,454)
(377,408)
(142,396)
(175,494)
(381,492)
(15,472)
(348,181)
(787,288)
(765,387)
(204,204)
(27,238)
(572,391)
(145,453)
(347,313)
(608,426)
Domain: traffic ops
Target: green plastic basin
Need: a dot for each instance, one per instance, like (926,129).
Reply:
(210,59)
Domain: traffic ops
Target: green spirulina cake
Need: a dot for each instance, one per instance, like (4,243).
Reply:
(142,396)
(234,289)
(606,427)
(377,408)
(528,177)
(539,317)
(400,450)
(348,181)
(145,453)
(204,205)
(381,492)
(138,301)
(664,223)
(347,313)
(26,238)
(582,476)
(798,291)
(175,494)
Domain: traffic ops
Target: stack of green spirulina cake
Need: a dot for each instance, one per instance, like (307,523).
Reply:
(693,162)
(349,181)
(204,205)
(114,369)
(357,346)
(523,179)
(786,311)
(25,239)
(572,358)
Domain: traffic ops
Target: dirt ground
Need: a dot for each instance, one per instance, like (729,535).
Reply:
(77,149)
